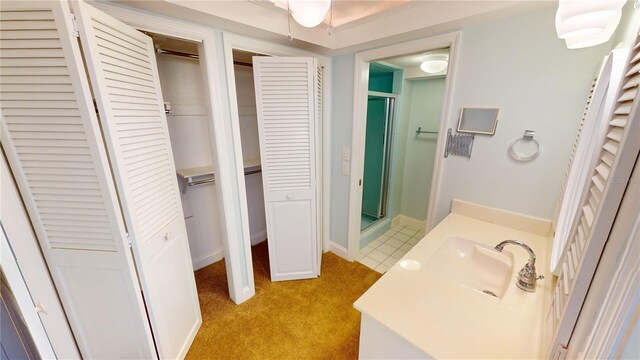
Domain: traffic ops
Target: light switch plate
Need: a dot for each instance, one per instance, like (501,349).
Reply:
(346,153)
(345,168)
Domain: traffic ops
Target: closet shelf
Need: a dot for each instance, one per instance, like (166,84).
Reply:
(196,176)
(252,167)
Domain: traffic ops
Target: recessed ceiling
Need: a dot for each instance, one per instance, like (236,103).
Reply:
(358,25)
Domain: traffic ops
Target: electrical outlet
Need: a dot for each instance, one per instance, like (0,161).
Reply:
(346,153)
(345,168)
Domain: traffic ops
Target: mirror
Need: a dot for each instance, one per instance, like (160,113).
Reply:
(478,120)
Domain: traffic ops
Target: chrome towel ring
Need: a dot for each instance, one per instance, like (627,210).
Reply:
(528,137)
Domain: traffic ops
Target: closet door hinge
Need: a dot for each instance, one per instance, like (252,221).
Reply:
(128,240)
(76,33)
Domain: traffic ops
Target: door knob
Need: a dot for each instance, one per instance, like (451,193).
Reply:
(289,196)
(167,236)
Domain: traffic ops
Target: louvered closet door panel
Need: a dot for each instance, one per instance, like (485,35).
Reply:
(286,100)
(53,143)
(319,159)
(124,75)
(598,209)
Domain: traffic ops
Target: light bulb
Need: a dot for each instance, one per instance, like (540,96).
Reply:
(309,13)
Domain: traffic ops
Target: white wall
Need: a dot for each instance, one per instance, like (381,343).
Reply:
(245,91)
(188,124)
(399,149)
(519,65)
(425,109)
(341,120)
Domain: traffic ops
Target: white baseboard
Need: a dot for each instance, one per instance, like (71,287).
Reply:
(339,250)
(408,221)
(257,238)
(208,259)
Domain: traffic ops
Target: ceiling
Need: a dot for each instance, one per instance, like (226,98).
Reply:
(344,12)
(358,25)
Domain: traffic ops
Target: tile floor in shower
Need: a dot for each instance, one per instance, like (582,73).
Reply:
(383,252)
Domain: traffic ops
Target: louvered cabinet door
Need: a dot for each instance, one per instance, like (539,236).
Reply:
(54,147)
(617,155)
(124,75)
(286,101)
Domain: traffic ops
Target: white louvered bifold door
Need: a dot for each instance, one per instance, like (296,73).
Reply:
(589,235)
(53,143)
(286,103)
(124,75)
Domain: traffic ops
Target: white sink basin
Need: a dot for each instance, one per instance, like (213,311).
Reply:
(473,265)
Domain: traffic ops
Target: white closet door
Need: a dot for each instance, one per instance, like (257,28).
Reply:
(124,77)
(618,152)
(286,103)
(54,147)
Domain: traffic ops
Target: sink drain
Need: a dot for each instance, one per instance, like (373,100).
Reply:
(489,293)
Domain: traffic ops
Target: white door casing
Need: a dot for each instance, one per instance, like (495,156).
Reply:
(286,103)
(124,77)
(54,147)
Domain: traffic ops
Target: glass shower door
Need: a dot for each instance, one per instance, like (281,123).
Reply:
(376,159)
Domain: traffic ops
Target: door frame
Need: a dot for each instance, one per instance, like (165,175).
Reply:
(360,91)
(238,42)
(239,278)
(389,152)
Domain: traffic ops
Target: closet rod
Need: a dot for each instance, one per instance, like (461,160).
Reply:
(242,63)
(177,53)
(195,56)
(250,172)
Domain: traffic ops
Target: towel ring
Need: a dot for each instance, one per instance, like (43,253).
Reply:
(528,136)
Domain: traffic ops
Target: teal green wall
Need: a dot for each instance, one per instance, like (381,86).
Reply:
(381,82)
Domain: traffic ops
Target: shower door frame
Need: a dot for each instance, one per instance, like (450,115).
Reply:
(390,118)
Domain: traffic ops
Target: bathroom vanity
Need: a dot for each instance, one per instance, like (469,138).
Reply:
(454,296)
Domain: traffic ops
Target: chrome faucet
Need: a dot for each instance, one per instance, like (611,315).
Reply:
(527,276)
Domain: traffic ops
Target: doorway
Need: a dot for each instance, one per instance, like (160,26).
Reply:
(418,134)
(377,158)
(188,122)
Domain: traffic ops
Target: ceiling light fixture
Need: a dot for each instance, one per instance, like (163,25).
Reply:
(309,13)
(587,22)
(435,63)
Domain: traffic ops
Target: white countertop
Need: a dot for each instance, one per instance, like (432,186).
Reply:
(450,321)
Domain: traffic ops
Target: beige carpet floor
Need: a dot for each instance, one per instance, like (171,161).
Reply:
(301,319)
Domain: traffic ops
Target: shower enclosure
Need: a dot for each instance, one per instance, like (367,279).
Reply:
(377,156)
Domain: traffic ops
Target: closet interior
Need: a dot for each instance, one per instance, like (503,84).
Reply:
(189,122)
(249,137)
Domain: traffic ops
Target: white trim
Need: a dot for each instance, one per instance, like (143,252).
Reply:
(208,259)
(405,220)
(240,289)
(611,323)
(338,250)
(360,93)
(25,304)
(258,237)
(233,41)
